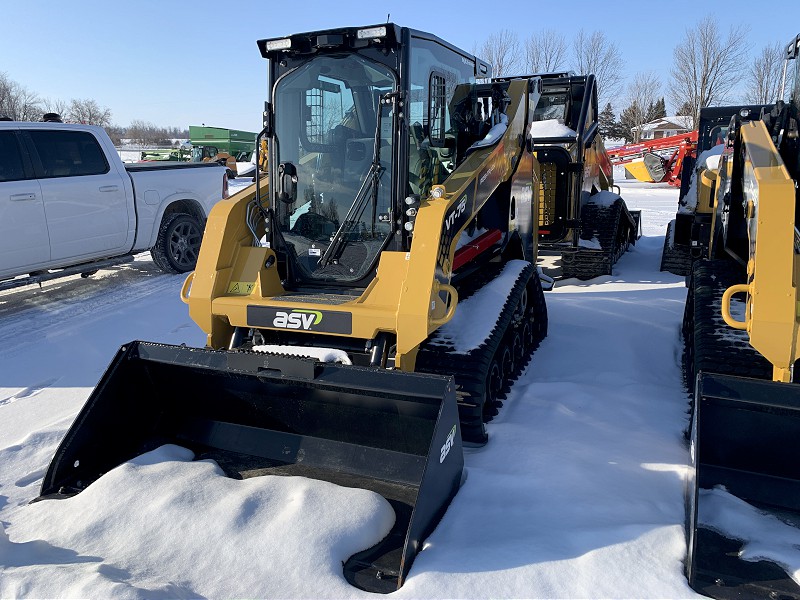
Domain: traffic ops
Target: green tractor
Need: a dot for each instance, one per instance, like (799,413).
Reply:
(225,146)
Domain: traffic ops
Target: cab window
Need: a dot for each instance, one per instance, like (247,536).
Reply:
(69,153)
(11,168)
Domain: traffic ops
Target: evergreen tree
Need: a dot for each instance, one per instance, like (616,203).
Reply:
(607,122)
(685,109)
(656,110)
(660,109)
(628,119)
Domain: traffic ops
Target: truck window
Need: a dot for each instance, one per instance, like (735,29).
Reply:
(10,158)
(69,153)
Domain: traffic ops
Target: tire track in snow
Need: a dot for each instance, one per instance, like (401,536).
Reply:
(28,391)
(30,325)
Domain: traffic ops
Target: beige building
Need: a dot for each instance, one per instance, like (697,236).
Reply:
(664,127)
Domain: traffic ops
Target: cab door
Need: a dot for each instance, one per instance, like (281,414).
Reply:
(84,196)
(24,240)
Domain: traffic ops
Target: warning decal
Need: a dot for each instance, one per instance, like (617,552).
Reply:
(241,288)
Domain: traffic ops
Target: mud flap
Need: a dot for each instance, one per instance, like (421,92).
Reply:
(394,433)
(745,436)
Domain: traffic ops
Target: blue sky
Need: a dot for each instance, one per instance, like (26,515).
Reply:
(187,63)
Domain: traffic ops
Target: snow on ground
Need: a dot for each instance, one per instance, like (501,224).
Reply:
(578,494)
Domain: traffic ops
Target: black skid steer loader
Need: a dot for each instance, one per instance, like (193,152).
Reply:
(402,182)
(580,216)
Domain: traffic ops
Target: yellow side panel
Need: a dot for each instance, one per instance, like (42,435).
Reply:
(769,194)
(706,190)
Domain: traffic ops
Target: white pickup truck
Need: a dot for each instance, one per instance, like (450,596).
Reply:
(69,205)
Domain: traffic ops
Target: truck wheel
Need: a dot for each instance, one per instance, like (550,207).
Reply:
(178,243)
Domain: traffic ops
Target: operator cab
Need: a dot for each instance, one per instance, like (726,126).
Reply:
(202,153)
(357,121)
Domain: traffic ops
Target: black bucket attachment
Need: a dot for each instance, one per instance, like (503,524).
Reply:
(746,437)
(394,433)
(655,165)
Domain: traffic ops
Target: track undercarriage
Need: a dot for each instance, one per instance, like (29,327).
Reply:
(675,258)
(607,231)
(742,433)
(709,344)
(485,371)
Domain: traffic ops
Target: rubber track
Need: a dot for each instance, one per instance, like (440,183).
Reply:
(710,345)
(675,258)
(471,369)
(612,226)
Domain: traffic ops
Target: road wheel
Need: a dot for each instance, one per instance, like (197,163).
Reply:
(493,387)
(518,352)
(178,243)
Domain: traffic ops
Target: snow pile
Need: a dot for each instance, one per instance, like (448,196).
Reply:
(550,128)
(766,536)
(493,135)
(592,244)
(708,159)
(603,198)
(164,526)
(321,354)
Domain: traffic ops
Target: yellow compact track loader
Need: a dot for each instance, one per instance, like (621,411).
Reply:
(740,358)
(366,304)
(689,234)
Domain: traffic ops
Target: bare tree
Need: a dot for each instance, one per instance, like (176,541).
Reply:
(502,51)
(88,112)
(144,134)
(595,53)
(5,94)
(116,133)
(545,52)
(764,76)
(643,95)
(706,67)
(60,107)
(141,133)
(18,102)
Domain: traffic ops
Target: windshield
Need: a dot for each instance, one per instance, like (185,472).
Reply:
(201,152)
(326,126)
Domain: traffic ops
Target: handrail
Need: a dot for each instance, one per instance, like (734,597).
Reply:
(187,283)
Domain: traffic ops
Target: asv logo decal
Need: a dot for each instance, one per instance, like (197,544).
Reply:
(297,319)
(448,443)
(451,218)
